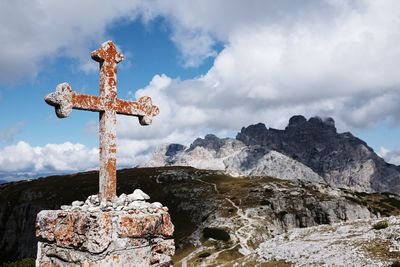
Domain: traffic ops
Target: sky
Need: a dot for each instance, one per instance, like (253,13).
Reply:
(210,66)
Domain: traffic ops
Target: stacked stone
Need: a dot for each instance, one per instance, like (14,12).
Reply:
(126,232)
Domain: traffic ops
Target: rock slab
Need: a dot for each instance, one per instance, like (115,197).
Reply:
(85,235)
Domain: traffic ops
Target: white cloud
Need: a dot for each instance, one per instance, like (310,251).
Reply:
(23,160)
(383,152)
(330,58)
(391,156)
(38,30)
(338,61)
(22,157)
(197,25)
(31,31)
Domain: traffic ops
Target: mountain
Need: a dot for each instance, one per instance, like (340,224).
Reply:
(218,219)
(308,150)
(234,157)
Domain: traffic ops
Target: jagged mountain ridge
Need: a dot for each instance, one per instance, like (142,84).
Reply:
(309,150)
(233,157)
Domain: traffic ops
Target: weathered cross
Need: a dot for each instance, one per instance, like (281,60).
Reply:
(108,105)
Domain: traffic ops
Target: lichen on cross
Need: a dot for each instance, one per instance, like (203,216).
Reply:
(108,105)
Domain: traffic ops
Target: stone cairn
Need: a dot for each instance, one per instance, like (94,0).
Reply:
(105,230)
(126,232)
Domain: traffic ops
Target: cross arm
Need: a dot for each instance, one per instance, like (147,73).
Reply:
(143,109)
(64,100)
(86,102)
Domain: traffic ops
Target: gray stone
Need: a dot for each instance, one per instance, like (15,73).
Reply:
(137,195)
(94,209)
(94,200)
(156,205)
(77,203)
(120,201)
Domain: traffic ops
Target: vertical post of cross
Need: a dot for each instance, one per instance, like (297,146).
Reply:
(108,57)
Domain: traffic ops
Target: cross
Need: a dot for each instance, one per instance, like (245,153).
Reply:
(108,105)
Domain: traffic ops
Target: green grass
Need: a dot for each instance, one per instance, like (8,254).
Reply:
(381,250)
(383,203)
(27,262)
(380,225)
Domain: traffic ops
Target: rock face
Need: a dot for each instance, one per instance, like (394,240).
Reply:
(308,150)
(235,158)
(340,158)
(128,232)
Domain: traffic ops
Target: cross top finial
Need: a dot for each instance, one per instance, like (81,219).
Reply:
(107,52)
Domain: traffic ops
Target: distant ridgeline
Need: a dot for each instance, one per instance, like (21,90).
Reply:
(309,150)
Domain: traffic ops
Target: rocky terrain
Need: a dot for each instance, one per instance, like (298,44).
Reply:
(308,150)
(219,219)
(127,231)
(369,242)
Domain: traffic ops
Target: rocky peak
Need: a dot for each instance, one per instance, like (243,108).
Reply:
(296,121)
(314,124)
(173,149)
(210,141)
(256,128)
(327,124)
(313,148)
(302,134)
(298,125)
(253,134)
(342,159)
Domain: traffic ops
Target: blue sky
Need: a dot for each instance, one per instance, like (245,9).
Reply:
(148,51)
(210,66)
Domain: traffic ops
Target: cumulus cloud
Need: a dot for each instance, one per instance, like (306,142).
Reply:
(330,58)
(31,31)
(391,156)
(22,160)
(37,30)
(22,157)
(198,25)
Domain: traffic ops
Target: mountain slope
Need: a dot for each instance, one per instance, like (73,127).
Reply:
(309,150)
(218,218)
(233,157)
